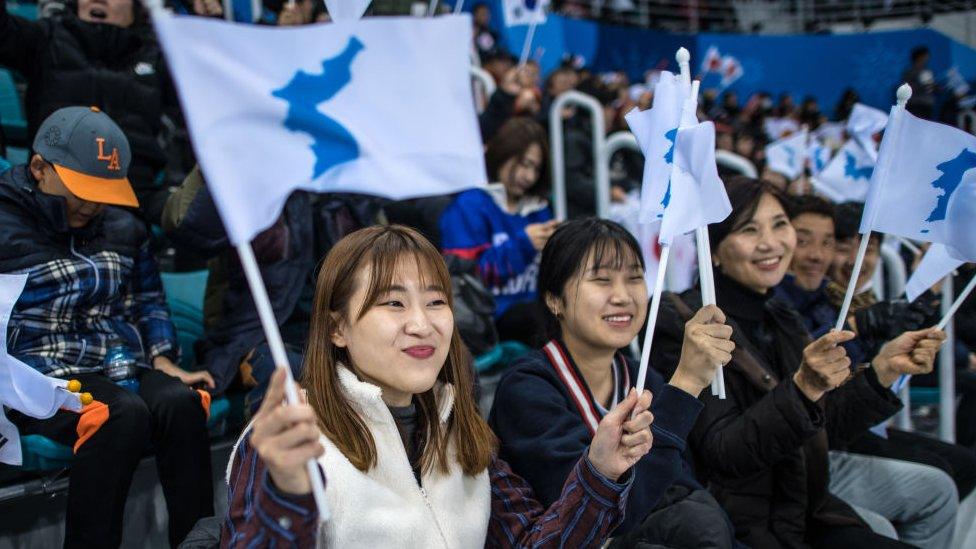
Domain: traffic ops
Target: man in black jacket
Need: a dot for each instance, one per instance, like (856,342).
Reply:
(102,55)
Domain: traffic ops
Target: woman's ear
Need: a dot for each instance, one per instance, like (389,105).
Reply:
(338,337)
(554,305)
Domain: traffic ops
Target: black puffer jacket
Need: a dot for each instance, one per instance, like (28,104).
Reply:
(763,450)
(120,70)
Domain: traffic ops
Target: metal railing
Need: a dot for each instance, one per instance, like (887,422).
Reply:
(601,170)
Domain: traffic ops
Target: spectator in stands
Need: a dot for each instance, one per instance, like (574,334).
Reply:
(919,76)
(506,225)
(578,156)
(497,63)
(93,284)
(104,55)
(233,345)
(485,37)
(592,288)
(392,421)
(763,450)
(302,12)
(846,104)
(810,113)
(922,517)
(517,95)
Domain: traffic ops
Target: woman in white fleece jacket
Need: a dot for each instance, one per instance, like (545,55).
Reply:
(391,419)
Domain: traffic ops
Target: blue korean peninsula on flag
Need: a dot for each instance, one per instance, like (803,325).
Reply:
(272,110)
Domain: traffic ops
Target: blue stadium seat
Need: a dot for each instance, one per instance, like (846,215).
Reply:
(922,396)
(11,110)
(27,10)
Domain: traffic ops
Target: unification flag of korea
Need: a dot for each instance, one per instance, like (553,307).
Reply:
(23,388)
(378,106)
(698,196)
(819,156)
(788,156)
(524,12)
(863,123)
(656,130)
(936,264)
(924,186)
(848,176)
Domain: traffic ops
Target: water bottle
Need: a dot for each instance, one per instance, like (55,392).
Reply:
(121,366)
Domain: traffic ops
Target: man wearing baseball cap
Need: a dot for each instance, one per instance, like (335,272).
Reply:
(93,309)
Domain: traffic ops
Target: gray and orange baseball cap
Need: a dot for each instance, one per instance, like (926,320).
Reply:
(90,153)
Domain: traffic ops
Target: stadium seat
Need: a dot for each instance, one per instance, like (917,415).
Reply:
(924,396)
(27,10)
(11,111)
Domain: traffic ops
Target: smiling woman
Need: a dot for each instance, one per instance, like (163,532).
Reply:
(392,421)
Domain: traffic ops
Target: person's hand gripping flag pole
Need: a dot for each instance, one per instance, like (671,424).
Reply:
(292,120)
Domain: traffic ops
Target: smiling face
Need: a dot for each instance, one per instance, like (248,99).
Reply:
(400,342)
(519,174)
(814,249)
(759,251)
(112,12)
(603,307)
(846,254)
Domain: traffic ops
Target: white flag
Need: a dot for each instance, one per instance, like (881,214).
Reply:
(21,387)
(698,196)
(524,12)
(924,186)
(847,177)
(656,130)
(865,120)
(346,10)
(378,106)
(788,156)
(936,264)
(818,155)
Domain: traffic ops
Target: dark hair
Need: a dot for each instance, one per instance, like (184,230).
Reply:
(511,141)
(847,221)
(918,52)
(810,204)
(567,250)
(593,87)
(744,194)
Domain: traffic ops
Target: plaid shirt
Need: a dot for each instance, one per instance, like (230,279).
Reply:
(72,307)
(589,509)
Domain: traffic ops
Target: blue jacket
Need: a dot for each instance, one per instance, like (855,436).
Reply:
(818,314)
(542,434)
(476,227)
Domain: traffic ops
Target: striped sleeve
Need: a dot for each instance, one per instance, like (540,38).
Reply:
(589,509)
(258,514)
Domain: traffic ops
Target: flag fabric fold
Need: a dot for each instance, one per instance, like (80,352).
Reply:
(275,110)
(924,185)
(936,264)
(23,388)
(847,176)
(788,156)
(698,196)
(655,131)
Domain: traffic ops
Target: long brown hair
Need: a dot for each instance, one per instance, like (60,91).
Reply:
(379,250)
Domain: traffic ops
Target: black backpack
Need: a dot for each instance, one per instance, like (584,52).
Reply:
(474,307)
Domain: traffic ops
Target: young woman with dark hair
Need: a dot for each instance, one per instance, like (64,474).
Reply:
(591,283)
(392,421)
(763,450)
(504,227)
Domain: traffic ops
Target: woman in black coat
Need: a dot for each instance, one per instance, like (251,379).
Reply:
(763,450)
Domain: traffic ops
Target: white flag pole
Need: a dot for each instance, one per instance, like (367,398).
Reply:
(706,278)
(662,268)
(527,45)
(273,335)
(260,295)
(432,8)
(904,93)
(458,6)
(957,303)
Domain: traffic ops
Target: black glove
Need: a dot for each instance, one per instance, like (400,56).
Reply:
(886,320)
